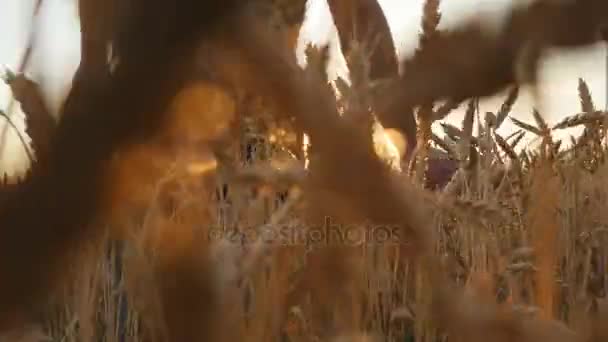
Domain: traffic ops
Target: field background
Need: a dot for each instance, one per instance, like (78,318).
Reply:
(108,237)
(58,51)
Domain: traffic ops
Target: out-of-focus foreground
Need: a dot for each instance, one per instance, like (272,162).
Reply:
(200,185)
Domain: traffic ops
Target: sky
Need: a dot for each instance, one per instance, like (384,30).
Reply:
(57,45)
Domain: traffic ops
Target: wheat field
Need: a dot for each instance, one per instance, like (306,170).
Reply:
(204,187)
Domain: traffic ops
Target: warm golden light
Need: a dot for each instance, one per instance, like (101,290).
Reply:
(201,167)
(305,145)
(387,148)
